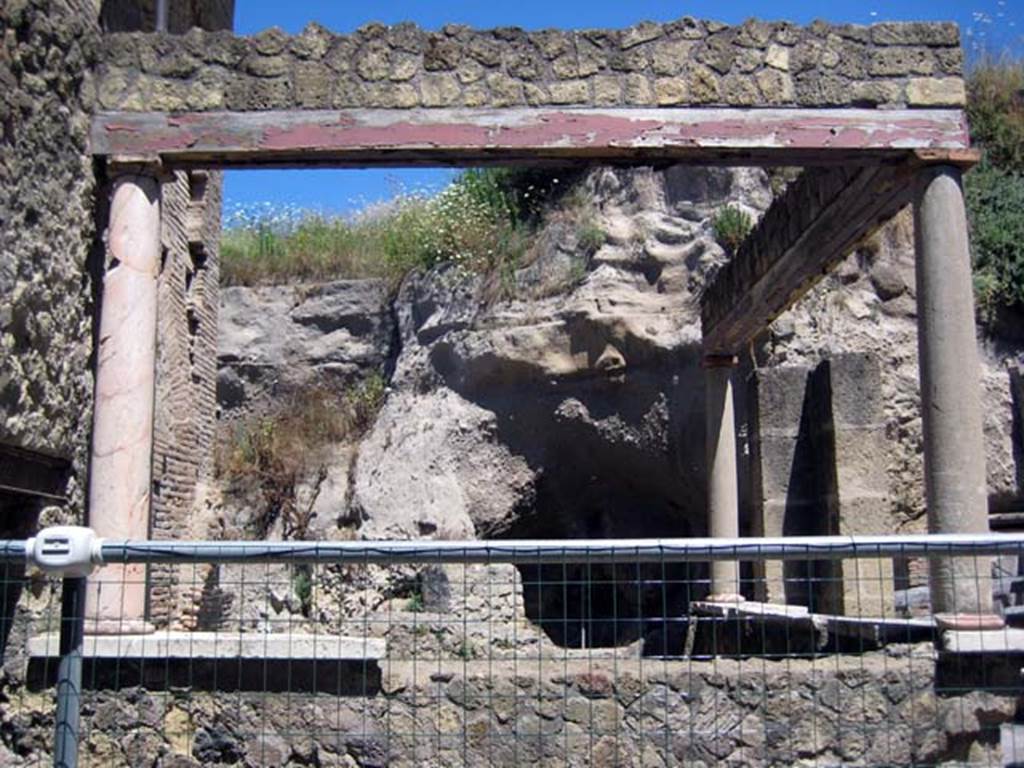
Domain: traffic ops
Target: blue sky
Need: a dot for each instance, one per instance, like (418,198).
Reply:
(995,25)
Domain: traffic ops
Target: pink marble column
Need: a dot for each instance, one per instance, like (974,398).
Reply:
(122,440)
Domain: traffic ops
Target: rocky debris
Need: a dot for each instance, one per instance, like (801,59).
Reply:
(277,339)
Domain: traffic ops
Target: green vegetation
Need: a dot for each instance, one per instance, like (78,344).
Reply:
(415,603)
(275,452)
(995,189)
(302,585)
(590,236)
(731,226)
(995,110)
(481,222)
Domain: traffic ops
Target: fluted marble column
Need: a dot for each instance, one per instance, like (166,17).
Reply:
(122,441)
(723,490)
(954,449)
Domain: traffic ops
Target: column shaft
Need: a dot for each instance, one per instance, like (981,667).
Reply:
(954,451)
(723,492)
(122,441)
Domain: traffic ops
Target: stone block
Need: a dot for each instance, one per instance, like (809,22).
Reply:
(643,32)
(739,91)
(670,91)
(312,43)
(439,90)
(266,66)
(896,61)
(505,91)
(669,57)
(915,33)
(607,91)
(704,88)
(780,396)
(636,90)
(855,380)
(936,92)
(570,92)
(373,62)
(776,87)
(313,85)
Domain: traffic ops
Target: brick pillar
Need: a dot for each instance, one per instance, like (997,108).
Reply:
(954,451)
(120,471)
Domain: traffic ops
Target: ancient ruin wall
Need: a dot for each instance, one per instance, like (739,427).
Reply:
(681,63)
(47,230)
(185,400)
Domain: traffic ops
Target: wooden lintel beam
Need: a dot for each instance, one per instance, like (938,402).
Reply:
(479,136)
(821,217)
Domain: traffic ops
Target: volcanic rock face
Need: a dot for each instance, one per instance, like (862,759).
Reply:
(571,415)
(277,339)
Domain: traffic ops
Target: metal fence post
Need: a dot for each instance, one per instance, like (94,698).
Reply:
(69,673)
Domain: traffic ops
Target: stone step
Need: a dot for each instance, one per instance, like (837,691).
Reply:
(770,627)
(218,645)
(1008,641)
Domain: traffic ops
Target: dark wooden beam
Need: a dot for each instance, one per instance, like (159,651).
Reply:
(31,474)
(352,138)
(821,217)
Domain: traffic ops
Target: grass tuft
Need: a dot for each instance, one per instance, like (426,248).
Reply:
(731,226)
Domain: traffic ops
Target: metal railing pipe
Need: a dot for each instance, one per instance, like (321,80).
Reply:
(561,551)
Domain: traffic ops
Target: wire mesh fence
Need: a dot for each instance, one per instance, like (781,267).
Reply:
(581,653)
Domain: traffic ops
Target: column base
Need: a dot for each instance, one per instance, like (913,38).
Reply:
(968,621)
(118,627)
(725,597)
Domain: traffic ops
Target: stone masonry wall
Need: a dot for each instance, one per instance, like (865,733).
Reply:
(47,48)
(685,62)
(870,710)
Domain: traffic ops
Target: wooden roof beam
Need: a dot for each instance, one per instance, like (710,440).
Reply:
(380,137)
(822,216)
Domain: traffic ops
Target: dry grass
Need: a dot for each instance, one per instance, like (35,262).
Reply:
(276,452)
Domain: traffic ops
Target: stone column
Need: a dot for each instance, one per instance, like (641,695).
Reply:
(122,440)
(954,451)
(723,490)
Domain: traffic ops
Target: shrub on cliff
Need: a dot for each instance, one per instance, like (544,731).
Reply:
(995,189)
(273,453)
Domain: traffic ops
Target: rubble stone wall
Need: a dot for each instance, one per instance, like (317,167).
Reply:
(871,710)
(681,63)
(47,232)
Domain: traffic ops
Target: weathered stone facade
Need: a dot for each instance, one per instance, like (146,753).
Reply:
(681,63)
(47,231)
